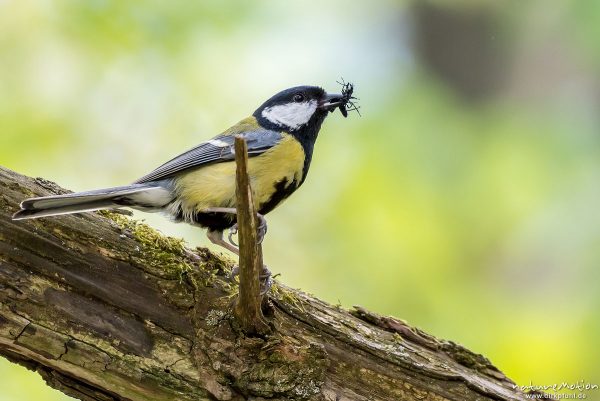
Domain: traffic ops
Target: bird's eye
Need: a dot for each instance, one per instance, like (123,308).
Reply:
(298,97)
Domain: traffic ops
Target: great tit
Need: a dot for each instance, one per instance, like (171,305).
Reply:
(198,186)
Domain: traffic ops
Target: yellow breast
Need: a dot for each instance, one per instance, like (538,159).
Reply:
(214,185)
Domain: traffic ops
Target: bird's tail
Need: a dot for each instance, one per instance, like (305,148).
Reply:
(143,196)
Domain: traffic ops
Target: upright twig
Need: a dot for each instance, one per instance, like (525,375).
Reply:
(248,305)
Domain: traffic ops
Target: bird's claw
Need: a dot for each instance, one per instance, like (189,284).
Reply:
(261,231)
(266,280)
(233,231)
(235,271)
(265,277)
(262,228)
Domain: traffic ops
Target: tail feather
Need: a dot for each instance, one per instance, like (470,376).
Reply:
(136,195)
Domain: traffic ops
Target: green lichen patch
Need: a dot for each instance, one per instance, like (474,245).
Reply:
(4,202)
(220,264)
(17,186)
(167,257)
(472,360)
(284,295)
(288,371)
(216,269)
(215,316)
(160,255)
(397,338)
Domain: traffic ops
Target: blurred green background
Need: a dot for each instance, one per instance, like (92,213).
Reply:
(464,200)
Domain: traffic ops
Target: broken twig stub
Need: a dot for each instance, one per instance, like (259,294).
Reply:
(248,304)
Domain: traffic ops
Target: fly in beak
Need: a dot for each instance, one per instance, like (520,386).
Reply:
(331,102)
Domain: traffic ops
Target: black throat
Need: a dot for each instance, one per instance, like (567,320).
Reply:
(306,135)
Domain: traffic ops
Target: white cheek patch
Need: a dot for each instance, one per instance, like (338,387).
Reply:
(291,115)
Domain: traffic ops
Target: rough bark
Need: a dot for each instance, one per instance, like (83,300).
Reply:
(105,308)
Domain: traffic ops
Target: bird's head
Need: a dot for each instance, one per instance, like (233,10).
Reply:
(299,108)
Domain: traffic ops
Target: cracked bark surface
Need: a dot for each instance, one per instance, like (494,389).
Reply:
(105,308)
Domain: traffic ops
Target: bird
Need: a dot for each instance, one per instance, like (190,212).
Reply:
(198,186)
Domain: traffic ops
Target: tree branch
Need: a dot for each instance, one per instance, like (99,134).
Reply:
(105,308)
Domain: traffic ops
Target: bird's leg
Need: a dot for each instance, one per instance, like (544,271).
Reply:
(216,237)
(262,225)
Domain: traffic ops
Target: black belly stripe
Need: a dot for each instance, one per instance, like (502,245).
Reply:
(282,191)
(212,221)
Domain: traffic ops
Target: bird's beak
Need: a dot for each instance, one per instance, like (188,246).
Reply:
(331,101)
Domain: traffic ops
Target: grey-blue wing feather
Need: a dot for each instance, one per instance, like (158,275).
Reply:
(218,149)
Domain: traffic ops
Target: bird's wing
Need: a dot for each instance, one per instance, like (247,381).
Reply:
(218,149)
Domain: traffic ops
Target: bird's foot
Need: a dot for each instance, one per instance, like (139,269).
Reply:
(261,230)
(265,277)
(233,230)
(235,271)
(266,280)
(216,237)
